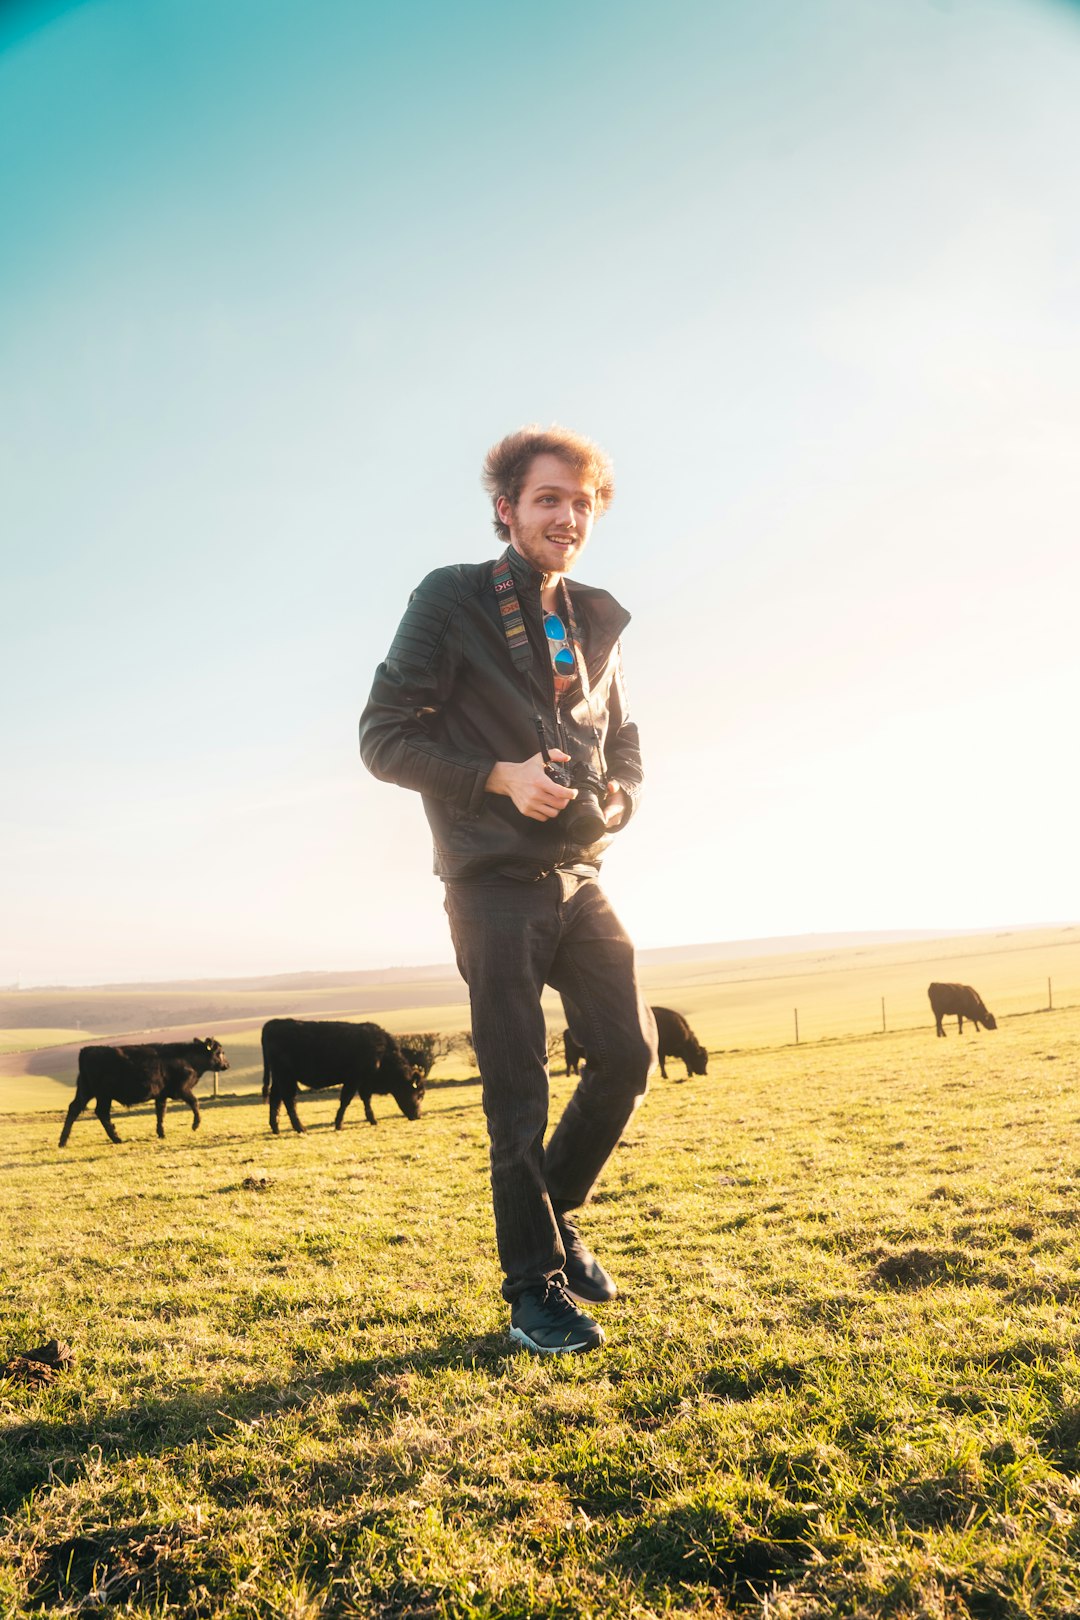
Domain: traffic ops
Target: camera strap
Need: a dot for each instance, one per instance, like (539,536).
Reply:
(517,640)
(513,621)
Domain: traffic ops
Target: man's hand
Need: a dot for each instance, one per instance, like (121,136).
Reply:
(617,804)
(530,787)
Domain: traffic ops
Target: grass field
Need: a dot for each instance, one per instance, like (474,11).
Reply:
(842,1379)
(32,1040)
(733,1001)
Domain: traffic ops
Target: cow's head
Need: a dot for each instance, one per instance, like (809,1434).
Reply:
(217,1058)
(990,1021)
(420,1060)
(402,1081)
(697,1058)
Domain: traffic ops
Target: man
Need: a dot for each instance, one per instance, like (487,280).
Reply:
(500,673)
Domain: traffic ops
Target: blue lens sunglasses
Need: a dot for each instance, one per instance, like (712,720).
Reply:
(563,655)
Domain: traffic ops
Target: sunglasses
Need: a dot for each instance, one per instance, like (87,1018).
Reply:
(555,631)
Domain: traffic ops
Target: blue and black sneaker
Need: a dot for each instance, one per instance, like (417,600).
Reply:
(546,1320)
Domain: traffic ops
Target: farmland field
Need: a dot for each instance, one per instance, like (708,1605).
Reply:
(734,1000)
(842,1378)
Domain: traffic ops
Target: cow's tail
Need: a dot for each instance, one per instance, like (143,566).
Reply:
(266,1072)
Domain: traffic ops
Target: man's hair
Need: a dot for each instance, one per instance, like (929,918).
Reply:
(506,465)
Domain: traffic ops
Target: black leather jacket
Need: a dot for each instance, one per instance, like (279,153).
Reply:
(448,703)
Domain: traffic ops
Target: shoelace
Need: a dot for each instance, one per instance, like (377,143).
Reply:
(557,1300)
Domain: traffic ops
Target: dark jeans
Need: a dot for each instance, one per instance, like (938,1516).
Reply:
(511,939)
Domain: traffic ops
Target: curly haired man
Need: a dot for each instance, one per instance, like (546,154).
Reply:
(502,702)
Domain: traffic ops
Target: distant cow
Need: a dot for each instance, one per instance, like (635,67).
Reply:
(962,1000)
(360,1058)
(675,1038)
(135,1074)
(574,1053)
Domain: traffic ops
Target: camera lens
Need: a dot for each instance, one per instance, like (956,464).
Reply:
(584,818)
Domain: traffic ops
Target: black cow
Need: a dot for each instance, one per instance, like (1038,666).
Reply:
(574,1053)
(675,1038)
(962,1000)
(360,1058)
(135,1074)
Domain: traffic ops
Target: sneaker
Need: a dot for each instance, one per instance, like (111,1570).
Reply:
(546,1320)
(586,1278)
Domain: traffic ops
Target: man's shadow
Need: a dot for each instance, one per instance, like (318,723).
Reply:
(50,1453)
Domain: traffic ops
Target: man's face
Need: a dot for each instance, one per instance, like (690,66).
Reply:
(553,517)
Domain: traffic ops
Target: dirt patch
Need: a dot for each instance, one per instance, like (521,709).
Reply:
(98,1572)
(39,1367)
(922,1268)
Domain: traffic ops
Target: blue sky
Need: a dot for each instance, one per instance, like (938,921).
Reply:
(273,276)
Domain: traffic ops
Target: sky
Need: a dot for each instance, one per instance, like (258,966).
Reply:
(274,275)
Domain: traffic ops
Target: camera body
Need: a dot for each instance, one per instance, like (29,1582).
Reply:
(583,818)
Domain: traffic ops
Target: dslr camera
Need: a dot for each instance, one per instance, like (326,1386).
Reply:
(583,818)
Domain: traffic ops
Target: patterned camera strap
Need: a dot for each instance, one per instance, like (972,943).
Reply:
(513,622)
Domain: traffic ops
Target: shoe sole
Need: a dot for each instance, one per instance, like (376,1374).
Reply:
(590,1299)
(555,1349)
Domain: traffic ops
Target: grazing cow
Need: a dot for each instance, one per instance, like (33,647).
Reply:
(135,1074)
(574,1053)
(360,1058)
(675,1038)
(962,1000)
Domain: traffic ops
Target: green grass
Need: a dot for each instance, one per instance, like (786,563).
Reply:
(733,1003)
(843,1378)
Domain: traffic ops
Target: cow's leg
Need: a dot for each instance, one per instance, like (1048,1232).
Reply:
(660,1060)
(193,1103)
(368,1115)
(159,1109)
(959,1023)
(287,1095)
(104,1113)
(78,1103)
(348,1092)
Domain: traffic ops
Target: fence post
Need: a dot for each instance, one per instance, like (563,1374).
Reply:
(883,1030)
(1049,996)
(796,1026)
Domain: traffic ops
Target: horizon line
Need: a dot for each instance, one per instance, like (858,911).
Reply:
(832,937)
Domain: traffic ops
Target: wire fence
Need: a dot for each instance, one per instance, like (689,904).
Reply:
(728,1021)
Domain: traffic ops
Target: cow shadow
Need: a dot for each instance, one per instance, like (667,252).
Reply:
(43,1453)
(89,1136)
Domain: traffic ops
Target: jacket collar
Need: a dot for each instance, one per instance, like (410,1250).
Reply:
(603,619)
